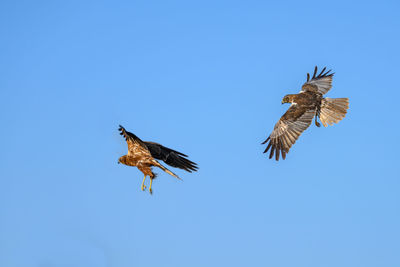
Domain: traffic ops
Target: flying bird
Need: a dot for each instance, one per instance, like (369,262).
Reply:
(144,156)
(306,105)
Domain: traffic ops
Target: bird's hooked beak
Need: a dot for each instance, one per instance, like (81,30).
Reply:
(119,162)
(282,102)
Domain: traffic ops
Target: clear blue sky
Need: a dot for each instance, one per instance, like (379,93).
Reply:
(206,78)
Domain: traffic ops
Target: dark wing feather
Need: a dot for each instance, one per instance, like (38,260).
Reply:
(171,157)
(135,144)
(288,129)
(320,83)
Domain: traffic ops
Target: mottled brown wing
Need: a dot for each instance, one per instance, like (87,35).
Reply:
(288,129)
(135,145)
(171,157)
(320,83)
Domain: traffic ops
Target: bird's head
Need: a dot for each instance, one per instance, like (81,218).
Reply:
(287,99)
(122,160)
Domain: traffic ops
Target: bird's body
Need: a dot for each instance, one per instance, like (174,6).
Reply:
(306,105)
(305,100)
(143,155)
(144,164)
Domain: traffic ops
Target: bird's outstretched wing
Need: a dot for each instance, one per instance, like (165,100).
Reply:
(171,157)
(135,145)
(288,129)
(320,83)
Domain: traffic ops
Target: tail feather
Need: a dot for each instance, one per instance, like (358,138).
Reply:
(333,110)
(167,171)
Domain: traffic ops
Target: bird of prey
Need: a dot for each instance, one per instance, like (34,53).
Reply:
(144,156)
(306,105)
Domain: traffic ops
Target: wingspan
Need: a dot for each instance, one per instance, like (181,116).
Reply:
(288,129)
(135,144)
(171,157)
(320,83)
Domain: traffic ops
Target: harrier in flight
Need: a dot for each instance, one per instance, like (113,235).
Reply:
(143,155)
(306,105)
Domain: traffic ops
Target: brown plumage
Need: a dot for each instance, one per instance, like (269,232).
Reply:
(143,155)
(306,105)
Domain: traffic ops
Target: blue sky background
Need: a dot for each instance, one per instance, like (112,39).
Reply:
(205,78)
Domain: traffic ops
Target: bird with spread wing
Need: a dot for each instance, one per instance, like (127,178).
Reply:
(144,156)
(306,105)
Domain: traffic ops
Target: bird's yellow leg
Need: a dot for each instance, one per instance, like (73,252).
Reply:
(143,187)
(151,182)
